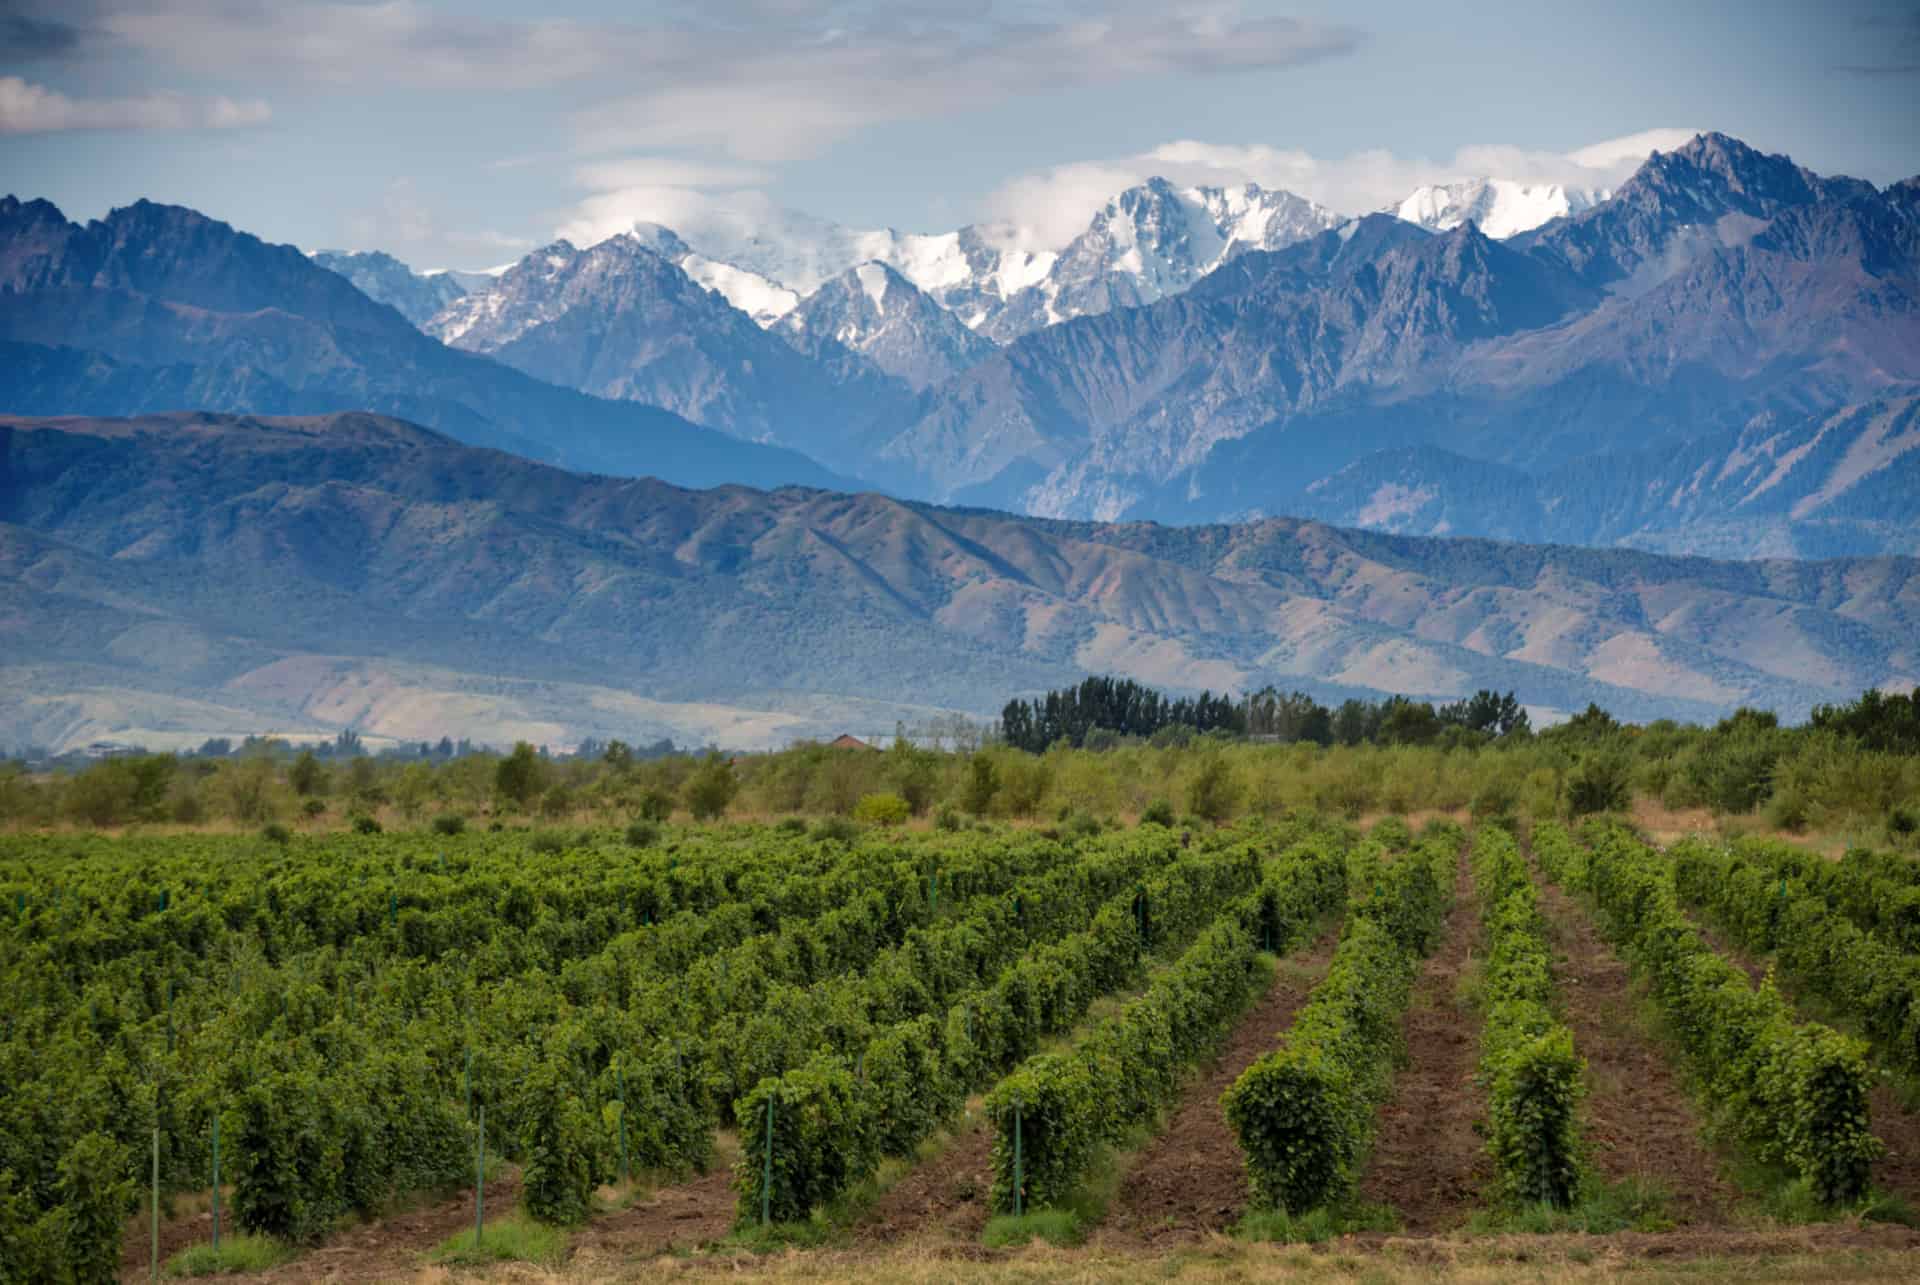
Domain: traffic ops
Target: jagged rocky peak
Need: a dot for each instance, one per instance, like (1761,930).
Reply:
(874,310)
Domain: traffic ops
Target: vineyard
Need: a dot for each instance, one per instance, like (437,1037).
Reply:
(736,1037)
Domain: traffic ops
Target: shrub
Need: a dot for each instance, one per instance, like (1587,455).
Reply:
(983,782)
(95,1192)
(557,1181)
(547,842)
(1215,792)
(821,1142)
(274,832)
(1602,782)
(364,824)
(947,819)
(313,808)
(711,788)
(449,824)
(1158,812)
(792,825)
(556,803)
(881,809)
(836,830)
(642,834)
(655,805)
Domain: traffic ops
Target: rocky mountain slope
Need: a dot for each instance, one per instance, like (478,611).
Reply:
(619,320)
(874,311)
(193,574)
(1717,285)
(384,279)
(1834,485)
(157,307)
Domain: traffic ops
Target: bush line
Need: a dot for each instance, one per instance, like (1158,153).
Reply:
(1794,1092)
(1069,1104)
(870,1093)
(1527,1059)
(1775,899)
(1303,1115)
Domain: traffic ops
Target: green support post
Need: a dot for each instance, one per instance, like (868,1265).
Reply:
(469,1081)
(1019,1169)
(620,1078)
(766,1171)
(155,1256)
(480,1179)
(216,1183)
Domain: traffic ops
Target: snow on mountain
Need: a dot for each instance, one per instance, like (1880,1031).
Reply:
(760,297)
(873,310)
(1501,207)
(383,278)
(1156,240)
(1148,242)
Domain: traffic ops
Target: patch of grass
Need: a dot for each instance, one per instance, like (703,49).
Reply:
(236,1254)
(1631,1204)
(1885,1207)
(515,1238)
(1083,1209)
(777,1237)
(1061,1227)
(1315,1226)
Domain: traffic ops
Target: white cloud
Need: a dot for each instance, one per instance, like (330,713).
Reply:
(759,80)
(1056,203)
(27,108)
(762,95)
(403,224)
(1631,149)
(666,171)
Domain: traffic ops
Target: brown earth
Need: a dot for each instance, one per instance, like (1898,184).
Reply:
(1190,1181)
(1429,1162)
(387,1249)
(182,1231)
(685,1215)
(942,1199)
(1637,1120)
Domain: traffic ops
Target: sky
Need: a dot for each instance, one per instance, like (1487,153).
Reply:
(463,134)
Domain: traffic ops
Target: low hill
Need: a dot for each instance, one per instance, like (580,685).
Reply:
(192,574)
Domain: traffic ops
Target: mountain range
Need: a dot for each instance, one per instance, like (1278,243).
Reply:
(160,307)
(1202,354)
(171,577)
(1235,439)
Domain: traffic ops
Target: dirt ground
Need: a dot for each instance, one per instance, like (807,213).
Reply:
(1637,1122)
(1429,1162)
(386,1249)
(683,1216)
(1189,1182)
(942,1200)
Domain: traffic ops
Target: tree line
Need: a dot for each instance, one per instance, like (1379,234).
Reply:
(1101,711)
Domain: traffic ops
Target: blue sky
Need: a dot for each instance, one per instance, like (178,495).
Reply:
(462,134)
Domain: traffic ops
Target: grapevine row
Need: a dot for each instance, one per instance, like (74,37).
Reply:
(1304,1115)
(1797,1093)
(1527,1059)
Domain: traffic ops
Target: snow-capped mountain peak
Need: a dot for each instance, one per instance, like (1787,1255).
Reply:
(1154,240)
(872,309)
(1501,207)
